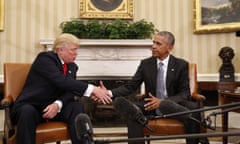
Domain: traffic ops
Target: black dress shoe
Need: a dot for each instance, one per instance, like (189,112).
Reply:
(197,141)
(203,141)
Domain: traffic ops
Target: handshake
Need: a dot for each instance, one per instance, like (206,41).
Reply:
(101,94)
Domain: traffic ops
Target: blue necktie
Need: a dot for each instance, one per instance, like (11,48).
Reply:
(160,82)
(160,85)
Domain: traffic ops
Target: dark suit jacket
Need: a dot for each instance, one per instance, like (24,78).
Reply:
(177,80)
(46,83)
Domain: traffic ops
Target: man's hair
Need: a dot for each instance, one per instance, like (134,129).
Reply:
(168,36)
(65,39)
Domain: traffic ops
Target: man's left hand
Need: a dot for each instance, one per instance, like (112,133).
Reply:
(50,111)
(152,102)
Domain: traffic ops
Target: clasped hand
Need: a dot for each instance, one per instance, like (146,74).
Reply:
(101,94)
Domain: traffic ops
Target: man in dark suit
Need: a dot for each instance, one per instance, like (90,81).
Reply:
(49,91)
(175,84)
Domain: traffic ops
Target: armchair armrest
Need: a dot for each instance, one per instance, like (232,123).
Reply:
(8,128)
(6,101)
(198,97)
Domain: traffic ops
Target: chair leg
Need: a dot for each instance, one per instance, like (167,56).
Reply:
(4,141)
(148,141)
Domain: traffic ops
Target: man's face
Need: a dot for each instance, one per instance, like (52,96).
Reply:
(160,47)
(69,53)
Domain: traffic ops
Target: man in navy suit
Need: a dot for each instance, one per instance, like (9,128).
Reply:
(176,84)
(48,93)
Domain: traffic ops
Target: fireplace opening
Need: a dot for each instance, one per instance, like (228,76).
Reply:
(105,115)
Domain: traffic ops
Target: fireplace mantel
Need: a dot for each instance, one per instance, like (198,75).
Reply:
(125,43)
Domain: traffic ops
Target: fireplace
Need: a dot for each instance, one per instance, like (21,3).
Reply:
(114,62)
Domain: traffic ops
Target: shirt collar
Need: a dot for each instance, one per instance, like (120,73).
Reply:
(62,62)
(165,61)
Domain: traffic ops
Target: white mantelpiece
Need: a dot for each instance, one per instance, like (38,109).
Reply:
(47,43)
(108,57)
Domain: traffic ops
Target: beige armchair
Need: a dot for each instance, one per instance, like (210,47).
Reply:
(14,78)
(168,126)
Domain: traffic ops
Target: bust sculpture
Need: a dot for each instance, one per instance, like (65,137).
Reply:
(226,69)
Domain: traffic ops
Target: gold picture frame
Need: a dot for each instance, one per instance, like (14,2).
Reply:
(106,9)
(1,14)
(213,16)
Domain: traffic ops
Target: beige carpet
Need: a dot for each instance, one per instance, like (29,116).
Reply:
(213,140)
(177,141)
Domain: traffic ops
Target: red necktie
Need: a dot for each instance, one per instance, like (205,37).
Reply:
(64,69)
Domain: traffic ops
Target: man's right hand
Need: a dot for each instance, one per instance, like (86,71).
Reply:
(102,86)
(101,95)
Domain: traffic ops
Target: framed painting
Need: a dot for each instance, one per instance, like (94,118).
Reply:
(212,16)
(1,14)
(106,9)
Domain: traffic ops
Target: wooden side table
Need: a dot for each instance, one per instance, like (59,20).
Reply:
(225,98)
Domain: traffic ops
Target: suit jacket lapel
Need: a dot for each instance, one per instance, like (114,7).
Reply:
(170,72)
(71,71)
(153,72)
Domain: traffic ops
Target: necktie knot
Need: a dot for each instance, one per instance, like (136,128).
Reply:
(160,65)
(64,69)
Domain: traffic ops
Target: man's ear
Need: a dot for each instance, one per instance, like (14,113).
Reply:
(170,48)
